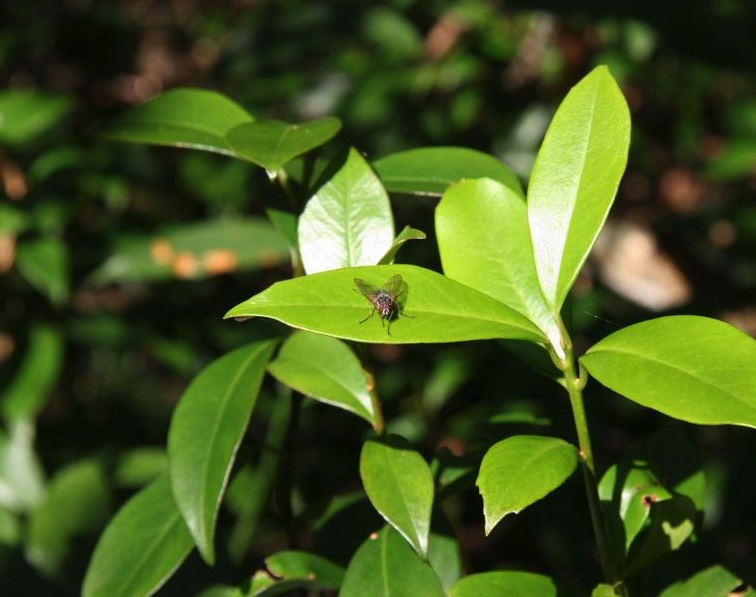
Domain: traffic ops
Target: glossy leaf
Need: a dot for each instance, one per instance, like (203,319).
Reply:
(325,369)
(504,584)
(430,170)
(205,433)
(695,369)
(192,118)
(401,238)
(29,389)
(437,308)
(386,566)
(272,143)
(399,484)
(141,547)
(22,481)
(77,503)
(575,178)
(348,222)
(194,251)
(483,239)
(519,471)
(44,264)
(715,581)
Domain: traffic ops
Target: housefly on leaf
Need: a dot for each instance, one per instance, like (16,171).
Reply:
(388,300)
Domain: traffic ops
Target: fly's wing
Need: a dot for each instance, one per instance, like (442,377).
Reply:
(367,290)
(397,287)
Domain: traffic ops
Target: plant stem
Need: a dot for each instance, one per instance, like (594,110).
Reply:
(574,385)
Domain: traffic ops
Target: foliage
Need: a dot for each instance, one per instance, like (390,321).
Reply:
(115,299)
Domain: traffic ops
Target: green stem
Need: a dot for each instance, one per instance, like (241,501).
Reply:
(574,385)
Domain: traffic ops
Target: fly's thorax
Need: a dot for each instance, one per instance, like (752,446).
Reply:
(385,303)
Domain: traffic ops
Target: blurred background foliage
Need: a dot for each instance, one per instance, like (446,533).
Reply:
(95,352)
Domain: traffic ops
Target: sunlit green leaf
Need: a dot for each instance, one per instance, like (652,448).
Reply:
(401,238)
(141,547)
(348,221)
(205,433)
(575,178)
(437,308)
(519,471)
(484,242)
(272,143)
(399,484)
(386,566)
(716,581)
(695,369)
(325,369)
(192,118)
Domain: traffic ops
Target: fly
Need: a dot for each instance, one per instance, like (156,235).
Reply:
(388,300)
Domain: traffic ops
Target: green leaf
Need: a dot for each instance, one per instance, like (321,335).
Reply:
(140,466)
(504,584)
(25,115)
(575,178)
(437,309)
(652,470)
(672,522)
(44,264)
(484,242)
(22,481)
(206,430)
(325,369)
(291,570)
(13,221)
(406,234)
(715,581)
(695,369)
(519,471)
(272,143)
(348,221)
(312,571)
(28,391)
(77,503)
(197,250)
(192,118)
(386,566)
(141,547)
(399,484)
(603,590)
(430,170)
(444,551)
